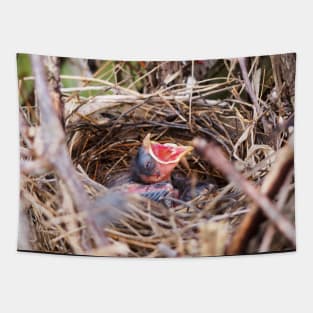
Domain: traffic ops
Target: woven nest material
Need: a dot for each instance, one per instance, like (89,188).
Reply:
(104,132)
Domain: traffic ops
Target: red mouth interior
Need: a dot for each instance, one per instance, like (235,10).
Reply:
(167,153)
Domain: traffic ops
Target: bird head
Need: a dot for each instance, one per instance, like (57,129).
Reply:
(155,162)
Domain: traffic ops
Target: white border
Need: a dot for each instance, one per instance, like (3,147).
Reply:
(158,30)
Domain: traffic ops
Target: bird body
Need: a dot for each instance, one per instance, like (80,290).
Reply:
(159,192)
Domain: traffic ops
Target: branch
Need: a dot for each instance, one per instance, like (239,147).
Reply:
(51,148)
(212,153)
(52,63)
(271,186)
(282,197)
(248,85)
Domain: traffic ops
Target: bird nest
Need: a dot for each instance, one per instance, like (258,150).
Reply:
(105,124)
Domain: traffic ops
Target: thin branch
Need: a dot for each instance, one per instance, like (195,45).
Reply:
(271,185)
(52,63)
(191,91)
(248,85)
(212,153)
(283,194)
(51,140)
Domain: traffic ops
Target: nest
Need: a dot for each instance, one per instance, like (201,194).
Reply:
(105,124)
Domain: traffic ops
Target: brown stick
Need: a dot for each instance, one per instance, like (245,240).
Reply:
(212,153)
(281,202)
(249,89)
(51,147)
(271,185)
(52,63)
(248,86)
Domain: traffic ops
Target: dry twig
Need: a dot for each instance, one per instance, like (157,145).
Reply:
(212,153)
(271,185)
(53,151)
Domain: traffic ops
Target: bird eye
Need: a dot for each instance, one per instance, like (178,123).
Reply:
(149,165)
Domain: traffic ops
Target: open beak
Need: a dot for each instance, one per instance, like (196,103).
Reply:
(167,153)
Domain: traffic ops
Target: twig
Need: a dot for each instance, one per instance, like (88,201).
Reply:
(191,90)
(271,185)
(212,153)
(52,148)
(52,63)
(146,74)
(282,199)
(248,85)
(24,128)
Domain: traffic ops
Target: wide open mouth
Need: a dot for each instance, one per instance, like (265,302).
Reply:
(165,153)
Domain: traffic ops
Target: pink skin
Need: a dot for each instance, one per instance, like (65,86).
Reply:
(146,189)
(139,188)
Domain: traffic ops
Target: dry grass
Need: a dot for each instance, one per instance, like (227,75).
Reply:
(107,116)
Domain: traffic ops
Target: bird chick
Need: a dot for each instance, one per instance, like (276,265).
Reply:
(155,162)
(151,169)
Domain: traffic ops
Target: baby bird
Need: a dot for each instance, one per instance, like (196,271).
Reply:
(151,169)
